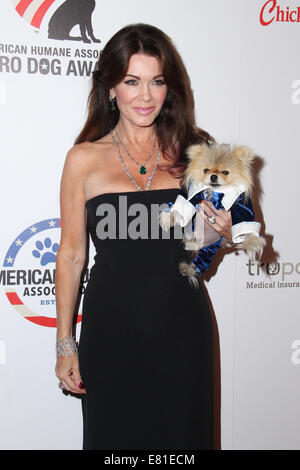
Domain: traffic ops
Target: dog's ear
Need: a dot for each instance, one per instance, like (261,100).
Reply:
(243,153)
(196,150)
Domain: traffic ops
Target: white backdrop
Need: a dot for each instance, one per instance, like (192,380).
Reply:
(246,81)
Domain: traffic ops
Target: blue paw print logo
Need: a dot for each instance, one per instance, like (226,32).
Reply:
(45,251)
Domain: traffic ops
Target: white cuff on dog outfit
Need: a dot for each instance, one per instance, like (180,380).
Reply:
(184,211)
(238,231)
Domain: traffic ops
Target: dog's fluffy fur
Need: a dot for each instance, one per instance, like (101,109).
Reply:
(217,166)
(217,159)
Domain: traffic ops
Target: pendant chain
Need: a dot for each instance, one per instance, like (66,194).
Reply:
(143,166)
(127,172)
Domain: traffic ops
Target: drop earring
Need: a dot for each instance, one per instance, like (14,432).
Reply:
(112,103)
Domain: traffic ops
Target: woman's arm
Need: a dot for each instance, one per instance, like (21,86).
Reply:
(70,259)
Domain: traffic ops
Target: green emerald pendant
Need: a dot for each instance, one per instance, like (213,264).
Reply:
(143,170)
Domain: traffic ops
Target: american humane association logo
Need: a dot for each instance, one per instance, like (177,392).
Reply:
(28,274)
(69,21)
(64,17)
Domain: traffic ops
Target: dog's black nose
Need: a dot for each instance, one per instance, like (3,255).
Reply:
(214,178)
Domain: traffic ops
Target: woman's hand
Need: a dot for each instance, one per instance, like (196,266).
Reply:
(67,370)
(223,221)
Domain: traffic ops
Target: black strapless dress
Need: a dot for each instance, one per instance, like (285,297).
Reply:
(146,342)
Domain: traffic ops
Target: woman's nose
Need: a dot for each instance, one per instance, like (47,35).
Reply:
(145,93)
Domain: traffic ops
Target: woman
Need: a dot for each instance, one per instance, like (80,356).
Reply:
(145,365)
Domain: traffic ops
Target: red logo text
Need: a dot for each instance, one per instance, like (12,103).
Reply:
(271,11)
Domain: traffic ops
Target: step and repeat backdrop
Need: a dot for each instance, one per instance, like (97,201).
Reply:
(242,58)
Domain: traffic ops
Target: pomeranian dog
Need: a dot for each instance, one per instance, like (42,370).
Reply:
(221,174)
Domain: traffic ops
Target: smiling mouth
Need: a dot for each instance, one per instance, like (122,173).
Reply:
(144,110)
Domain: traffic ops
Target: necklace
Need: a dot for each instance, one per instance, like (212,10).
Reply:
(127,172)
(142,169)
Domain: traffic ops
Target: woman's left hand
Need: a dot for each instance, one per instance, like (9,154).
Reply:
(223,221)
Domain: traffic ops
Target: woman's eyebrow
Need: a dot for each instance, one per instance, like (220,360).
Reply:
(138,78)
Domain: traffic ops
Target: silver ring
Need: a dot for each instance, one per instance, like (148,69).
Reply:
(60,385)
(211,219)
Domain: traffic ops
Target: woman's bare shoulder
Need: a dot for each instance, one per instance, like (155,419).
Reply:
(85,153)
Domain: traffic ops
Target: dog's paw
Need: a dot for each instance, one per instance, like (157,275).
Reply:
(252,245)
(178,219)
(190,271)
(166,220)
(191,245)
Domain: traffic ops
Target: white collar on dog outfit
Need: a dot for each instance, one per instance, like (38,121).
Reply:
(231,193)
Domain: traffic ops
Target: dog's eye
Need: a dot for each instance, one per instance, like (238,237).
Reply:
(206,170)
(225,172)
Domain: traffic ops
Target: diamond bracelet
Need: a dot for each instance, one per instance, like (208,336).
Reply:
(66,346)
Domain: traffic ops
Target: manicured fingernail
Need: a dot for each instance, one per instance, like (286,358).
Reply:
(80,385)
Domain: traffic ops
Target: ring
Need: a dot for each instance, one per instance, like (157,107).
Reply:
(211,219)
(60,385)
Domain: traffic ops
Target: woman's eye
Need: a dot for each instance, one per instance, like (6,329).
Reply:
(130,82)
(159,82)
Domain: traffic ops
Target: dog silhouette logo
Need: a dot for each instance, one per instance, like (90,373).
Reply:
(69,14)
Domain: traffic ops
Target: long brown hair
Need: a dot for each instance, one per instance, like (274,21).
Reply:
(175,124)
